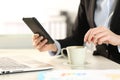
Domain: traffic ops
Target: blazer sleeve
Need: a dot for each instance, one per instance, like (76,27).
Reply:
(79,29)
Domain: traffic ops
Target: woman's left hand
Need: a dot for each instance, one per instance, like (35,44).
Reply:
(102,35)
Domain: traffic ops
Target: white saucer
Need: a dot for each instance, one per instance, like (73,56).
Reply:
(66,63)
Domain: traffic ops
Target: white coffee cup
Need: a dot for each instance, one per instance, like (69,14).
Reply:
(76,55)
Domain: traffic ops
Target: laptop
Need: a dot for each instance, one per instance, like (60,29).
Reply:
(10,65)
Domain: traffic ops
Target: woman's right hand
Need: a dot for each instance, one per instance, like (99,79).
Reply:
(40,43)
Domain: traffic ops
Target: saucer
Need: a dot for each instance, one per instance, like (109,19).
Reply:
(76,66)
(66,63)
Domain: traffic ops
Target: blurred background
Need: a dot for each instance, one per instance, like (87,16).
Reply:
(57,17)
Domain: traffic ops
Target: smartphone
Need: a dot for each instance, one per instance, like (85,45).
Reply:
(36,27)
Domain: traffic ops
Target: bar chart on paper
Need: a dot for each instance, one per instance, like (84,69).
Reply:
(80,75)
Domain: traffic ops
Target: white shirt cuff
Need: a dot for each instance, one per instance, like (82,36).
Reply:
(58,51)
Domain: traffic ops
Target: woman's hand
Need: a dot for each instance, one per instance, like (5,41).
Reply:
(40,43)
(102,35)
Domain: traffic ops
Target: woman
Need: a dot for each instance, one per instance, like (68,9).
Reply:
(97,21)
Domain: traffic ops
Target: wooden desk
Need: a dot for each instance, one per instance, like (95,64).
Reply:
(93,62)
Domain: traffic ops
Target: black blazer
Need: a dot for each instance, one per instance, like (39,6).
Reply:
(85,21)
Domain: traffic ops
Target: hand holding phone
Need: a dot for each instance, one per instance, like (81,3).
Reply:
(40,43)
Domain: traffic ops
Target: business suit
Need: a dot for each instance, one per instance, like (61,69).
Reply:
(85,21)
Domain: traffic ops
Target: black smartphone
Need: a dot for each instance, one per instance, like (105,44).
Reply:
(36,27)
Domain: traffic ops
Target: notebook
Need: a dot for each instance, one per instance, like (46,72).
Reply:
(9,65)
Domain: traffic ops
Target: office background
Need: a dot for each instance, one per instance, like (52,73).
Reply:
(55,16)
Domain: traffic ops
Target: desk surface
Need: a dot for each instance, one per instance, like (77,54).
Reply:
(92,63)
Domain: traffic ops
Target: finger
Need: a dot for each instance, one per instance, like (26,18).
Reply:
(38,41)
(102,40)
(94,32)
(35,36)
(94,40)
(42,44)
(99,30)
(98,36)
(91,35)
(87,35)
(45,48)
